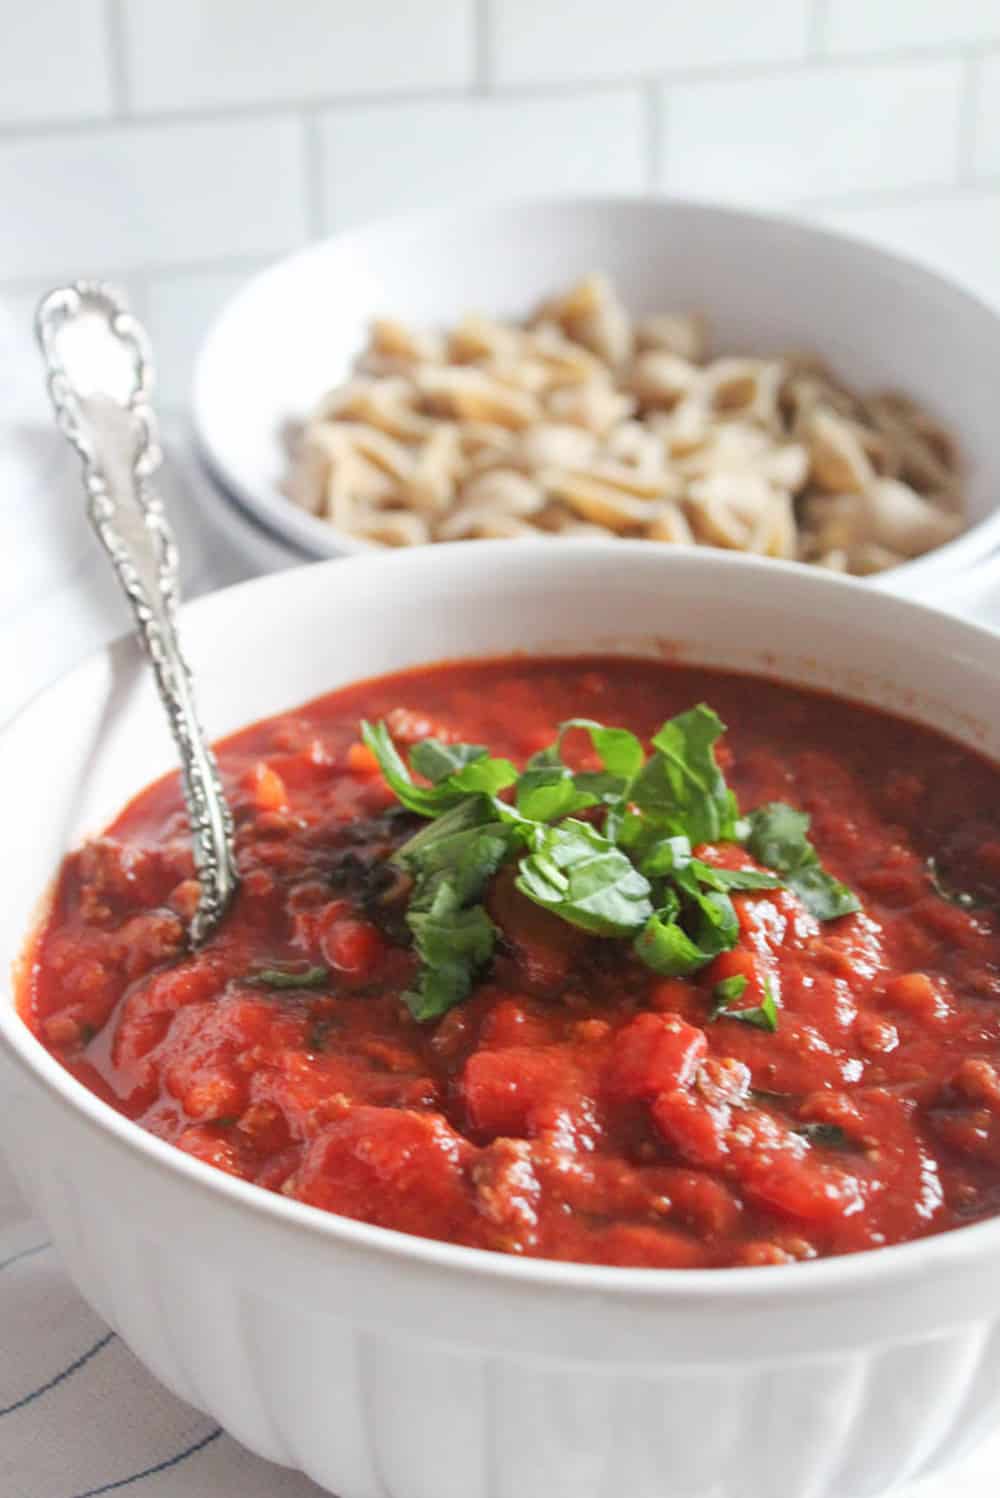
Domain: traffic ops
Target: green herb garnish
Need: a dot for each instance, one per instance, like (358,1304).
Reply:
(453,942)
(453,935)
(454,770)
(764,1016)
(290,977)
(687,932)
(778,839)
(579,875)
(729,989)
(681,788)
(627,870)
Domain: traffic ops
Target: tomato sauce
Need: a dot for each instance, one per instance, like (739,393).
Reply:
(576,1106)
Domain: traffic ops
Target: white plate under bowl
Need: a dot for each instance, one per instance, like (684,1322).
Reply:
(767,285)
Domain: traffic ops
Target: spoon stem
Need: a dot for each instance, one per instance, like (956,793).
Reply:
(100,378)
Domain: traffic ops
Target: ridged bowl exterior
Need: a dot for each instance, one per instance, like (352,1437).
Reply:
(392,1367)
(371,1411)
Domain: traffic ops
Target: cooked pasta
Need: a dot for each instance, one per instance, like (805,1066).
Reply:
(586,422)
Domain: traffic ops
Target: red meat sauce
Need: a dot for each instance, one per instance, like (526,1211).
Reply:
(577,1106)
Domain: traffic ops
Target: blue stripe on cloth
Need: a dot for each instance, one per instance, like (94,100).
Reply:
(171,1461)
(84,1357)
(25,1253)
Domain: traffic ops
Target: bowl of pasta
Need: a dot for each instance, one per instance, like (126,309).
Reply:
(635,368)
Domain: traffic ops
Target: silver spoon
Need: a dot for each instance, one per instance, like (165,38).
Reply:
(100,379)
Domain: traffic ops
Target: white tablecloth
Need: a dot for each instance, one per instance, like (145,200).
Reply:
(79,1416)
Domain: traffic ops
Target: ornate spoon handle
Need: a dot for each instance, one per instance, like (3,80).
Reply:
(100,379)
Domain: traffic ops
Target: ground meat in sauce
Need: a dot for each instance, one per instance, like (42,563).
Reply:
(577,1106)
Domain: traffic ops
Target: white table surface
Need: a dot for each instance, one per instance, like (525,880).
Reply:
(79,1416)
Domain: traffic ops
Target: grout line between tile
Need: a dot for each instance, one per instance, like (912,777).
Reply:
(482,41)
(816,30)
(314,184)
(968,119)
(114,25)
(555,88)
(145,273)
(655,107)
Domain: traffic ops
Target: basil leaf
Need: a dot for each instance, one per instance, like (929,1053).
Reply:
(473,811)
(453,935)
(436,761)
(826,897)
(548,788)
(671,857)
(620,752)
(681,787)
(290,977)
(718,927)
(737,879)
(575,872)
(453,943)
(778,839)
(665,946)
(729,988)
(546,792)
(763,1016)
(466,861)
(477,774)
(682,937)
(667,857)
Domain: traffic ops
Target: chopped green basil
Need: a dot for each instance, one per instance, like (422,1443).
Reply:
(681,788)
(764,1016)
(453,935)
(548,791)
(729,989)
(290,977)
(626,870)
(548,788)
(735,879)
(778,839)
(474,811)
(453,943)
(436,761)
(471,771)
(619,751)
(579,875)
(685,934)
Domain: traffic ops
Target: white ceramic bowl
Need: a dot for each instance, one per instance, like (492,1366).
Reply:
(385,1364)
(766,283)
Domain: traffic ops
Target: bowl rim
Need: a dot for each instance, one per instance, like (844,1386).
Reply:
(906,1263)
(320,540)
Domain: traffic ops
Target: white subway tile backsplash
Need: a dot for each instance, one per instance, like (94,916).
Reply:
(813,132)
(54,61)
(343,110)
(577,39)
(188,55)
(957,233)
(180,307)
(892,25)
(390,159)
(101,200)
(986,159)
